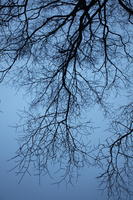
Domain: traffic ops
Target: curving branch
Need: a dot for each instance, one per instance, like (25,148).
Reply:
(126,8)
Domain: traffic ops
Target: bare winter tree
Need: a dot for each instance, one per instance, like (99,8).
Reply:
(70,55)
(117,154)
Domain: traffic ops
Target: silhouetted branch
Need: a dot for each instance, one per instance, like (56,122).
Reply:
(117,154)
(70,55)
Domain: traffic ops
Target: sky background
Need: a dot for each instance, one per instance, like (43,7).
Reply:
(29,189)
(86,188)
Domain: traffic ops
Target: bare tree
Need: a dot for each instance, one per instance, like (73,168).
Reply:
(70,55)
(117,154)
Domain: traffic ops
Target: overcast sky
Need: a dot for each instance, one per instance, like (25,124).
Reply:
(86,188)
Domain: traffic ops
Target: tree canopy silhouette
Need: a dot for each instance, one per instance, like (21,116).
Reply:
(71,55)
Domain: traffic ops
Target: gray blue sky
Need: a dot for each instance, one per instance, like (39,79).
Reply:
(86,188)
